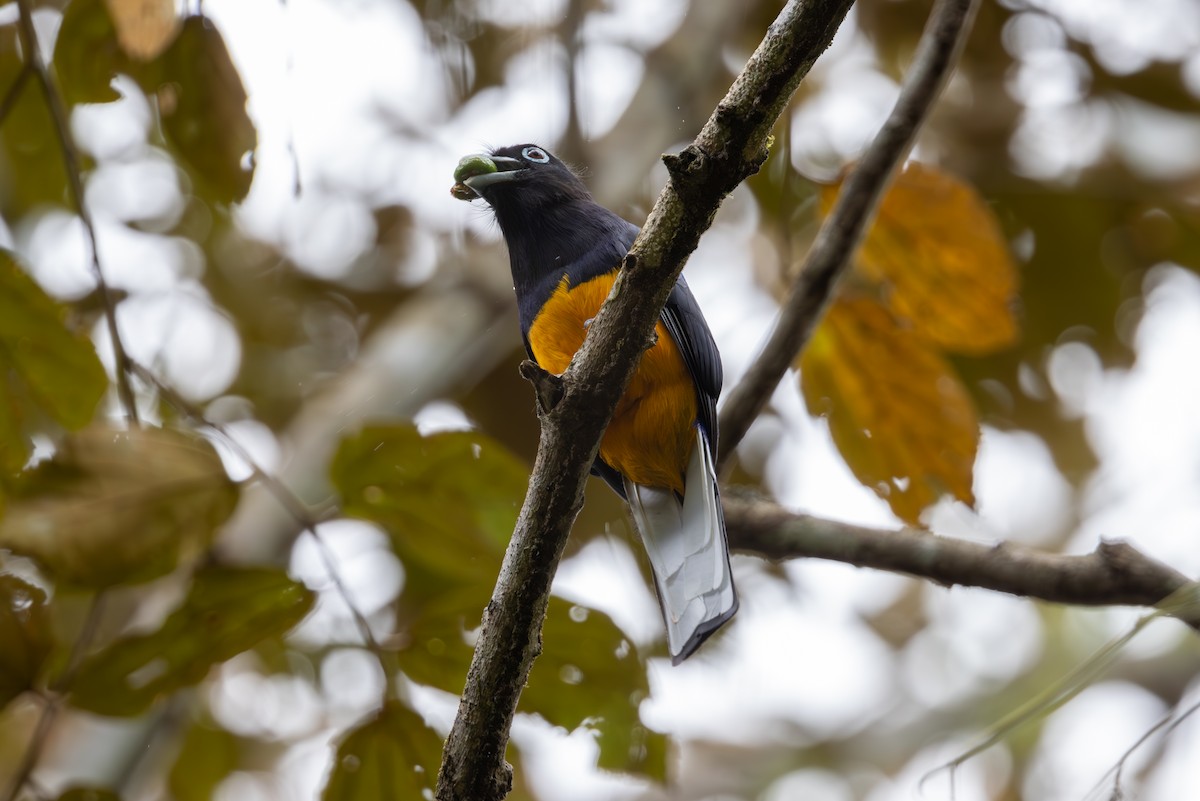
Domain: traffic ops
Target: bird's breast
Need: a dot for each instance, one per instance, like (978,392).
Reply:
(650,436)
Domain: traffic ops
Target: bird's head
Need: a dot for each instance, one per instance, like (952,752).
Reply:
(545,212)
(519,177)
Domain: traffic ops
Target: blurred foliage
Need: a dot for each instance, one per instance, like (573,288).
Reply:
(226,611)
(88,794)
(199,95)
(937,253)
(49,371)
(88,57)
(207,755)
(25,636)
(203,110)
(449,501)
(115,507)
(896,410)
(392,755)
(943,280)
(589,674)
(329,356)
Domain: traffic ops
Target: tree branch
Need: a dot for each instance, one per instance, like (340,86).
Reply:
(14,92)
(1115,573)
(943,40)
(58,113)
(731,146)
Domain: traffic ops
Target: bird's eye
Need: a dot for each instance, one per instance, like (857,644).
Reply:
(536,155)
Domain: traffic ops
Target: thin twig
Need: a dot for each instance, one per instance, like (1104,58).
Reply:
(58,113)
(1049,699)
(943,40)
(45,723)
(294,507)
(14,92)
(1167,724)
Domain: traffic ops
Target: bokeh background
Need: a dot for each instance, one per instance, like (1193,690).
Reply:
(297,269)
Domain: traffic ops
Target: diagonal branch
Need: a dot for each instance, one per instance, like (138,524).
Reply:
(944,37)
(58,113)
(1115,573)
(731,146)
(14,92)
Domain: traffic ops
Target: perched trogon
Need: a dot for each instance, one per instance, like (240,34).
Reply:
(658,452)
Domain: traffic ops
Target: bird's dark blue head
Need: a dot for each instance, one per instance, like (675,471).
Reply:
(518,180)
(547,216)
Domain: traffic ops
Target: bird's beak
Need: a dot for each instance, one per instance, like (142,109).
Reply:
(478,171)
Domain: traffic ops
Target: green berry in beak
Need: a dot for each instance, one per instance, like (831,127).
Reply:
(470,167)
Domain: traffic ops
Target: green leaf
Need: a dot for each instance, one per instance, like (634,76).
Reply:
(86,54)
(202,105)
(89,794)
(449,500)
(394,755)
(437,653)
(15,445)
(227,611)
(31,164)
(57,369)
(590,674)
(208,754)
(117,506)
(25,636)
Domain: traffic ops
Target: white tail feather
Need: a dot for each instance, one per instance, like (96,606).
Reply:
(688,552)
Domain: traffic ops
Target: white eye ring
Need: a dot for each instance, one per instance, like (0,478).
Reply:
(536,155)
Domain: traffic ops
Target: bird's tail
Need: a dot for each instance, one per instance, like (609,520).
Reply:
(688,552)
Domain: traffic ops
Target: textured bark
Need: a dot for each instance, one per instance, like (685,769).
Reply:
(1115,573)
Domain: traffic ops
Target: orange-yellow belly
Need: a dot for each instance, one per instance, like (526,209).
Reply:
(650,436)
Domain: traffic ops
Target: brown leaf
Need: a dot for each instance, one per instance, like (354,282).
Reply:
(145,28)
(25,636)
(202,104)
(902,420)
(938,249)
(115,506)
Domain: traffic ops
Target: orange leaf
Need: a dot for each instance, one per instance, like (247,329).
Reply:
(897,412)
(938,249)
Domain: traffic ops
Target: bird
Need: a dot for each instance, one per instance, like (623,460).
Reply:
(659,450)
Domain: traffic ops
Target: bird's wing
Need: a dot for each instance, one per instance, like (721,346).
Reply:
(687,327)
(686,324)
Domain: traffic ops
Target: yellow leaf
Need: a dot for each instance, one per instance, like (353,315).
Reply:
(938,250)
(902,420)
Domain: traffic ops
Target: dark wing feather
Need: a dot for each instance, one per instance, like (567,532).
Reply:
(686,325)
